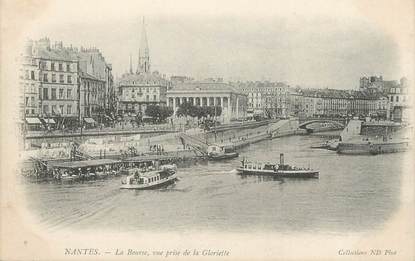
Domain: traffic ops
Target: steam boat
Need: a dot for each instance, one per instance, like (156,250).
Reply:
(279,170)
(140,179)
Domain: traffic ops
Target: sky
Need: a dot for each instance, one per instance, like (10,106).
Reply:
(311,49)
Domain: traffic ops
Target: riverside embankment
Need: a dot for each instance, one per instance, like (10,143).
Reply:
(124,144)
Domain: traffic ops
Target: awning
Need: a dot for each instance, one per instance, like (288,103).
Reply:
(89,120)
(33,121)
(50,121)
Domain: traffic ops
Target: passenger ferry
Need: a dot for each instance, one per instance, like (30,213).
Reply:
(278,170)
(148,179)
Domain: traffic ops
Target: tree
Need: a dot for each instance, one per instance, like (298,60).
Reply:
(188,109)
(185,109)
(158,113)
(213,111)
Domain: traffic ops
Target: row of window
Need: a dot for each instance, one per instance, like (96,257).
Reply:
(146,89)
(55,66)
(57,110)
(397,98)
(32,75)
(54,94)
(398,90)
(54,79)
(133,96)
(32,111)
(261,90)
(32,102)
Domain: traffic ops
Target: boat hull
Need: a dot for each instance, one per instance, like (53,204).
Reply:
(152,185)
(281,173)
(224,156)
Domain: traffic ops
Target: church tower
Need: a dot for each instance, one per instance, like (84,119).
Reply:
(144,54)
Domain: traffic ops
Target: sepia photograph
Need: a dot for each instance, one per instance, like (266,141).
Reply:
(196,130)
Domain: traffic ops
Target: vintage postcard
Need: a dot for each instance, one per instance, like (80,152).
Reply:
(207,130)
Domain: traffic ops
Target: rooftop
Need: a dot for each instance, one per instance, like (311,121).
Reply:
(203,86)
(84,163)
(340,94)
(134,79)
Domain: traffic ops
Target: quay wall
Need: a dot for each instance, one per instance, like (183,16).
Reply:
(111,146)
(37,140)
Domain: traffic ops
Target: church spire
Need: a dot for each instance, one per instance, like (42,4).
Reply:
(131,64)
(144,54)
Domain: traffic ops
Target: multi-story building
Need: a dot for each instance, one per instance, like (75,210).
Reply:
(91,98)
(96,85)
(30,82)
(66,85)
(337,103)
(400,98)
(270,98)
(59,82)
(232,101)
(138,90)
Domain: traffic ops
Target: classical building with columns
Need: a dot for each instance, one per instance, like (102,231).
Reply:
(233,102)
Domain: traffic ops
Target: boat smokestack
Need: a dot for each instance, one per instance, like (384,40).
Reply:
(281,158)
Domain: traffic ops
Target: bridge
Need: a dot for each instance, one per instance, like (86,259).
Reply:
(334,123)
(337,119)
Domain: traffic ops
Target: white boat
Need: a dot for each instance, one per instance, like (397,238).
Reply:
(151,179)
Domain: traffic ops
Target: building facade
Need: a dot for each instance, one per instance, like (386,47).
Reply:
(138,90)
(269,98)
(232,102)
(58,93)
(400,99)
(30,84)
(91,98)
(61,85)
(338,103)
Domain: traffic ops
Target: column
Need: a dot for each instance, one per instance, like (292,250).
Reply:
(237,107)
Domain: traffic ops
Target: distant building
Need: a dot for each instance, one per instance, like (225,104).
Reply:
(180,79)
(232,101)
(138,90)
(400,98)
(372,84)
(270,98)
(337,103)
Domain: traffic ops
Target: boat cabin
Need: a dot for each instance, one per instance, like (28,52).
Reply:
(86,168)
(149,178)
(249,165)
(216,149)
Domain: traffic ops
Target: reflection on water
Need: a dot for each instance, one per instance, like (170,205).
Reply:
(353,193)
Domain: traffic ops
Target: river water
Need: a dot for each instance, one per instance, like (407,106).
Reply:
(353,193)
